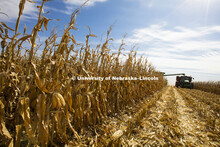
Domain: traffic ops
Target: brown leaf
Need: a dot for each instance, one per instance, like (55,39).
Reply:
(25,29)
(31,1)
(45,23)
(38,81)
(73,39)
(92,35)
(6,139)
(58,100)
(6,26)
(24,111)
(18,135)
(1,29)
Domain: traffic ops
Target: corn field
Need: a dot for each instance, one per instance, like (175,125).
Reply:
(210,86)
(170,117)
(41,101)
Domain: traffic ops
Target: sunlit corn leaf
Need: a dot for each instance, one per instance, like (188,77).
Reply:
(31,1)
(58,100)
(38,81)
(45,23)
(24,111)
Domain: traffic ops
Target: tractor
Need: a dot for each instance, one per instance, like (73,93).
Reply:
(182,81)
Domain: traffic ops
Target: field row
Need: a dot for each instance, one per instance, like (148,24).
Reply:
(210,86)
(171,117)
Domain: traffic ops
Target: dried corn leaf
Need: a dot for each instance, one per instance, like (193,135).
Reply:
(24,111)
(18,135)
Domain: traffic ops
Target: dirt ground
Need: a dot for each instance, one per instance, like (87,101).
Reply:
(171,117)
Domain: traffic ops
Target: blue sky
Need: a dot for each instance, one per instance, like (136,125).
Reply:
(177,36)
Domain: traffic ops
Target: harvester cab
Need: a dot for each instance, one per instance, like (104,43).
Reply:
(182,81)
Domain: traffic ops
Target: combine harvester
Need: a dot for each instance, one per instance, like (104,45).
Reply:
(182,81)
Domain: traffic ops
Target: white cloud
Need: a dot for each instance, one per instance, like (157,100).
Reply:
(158,37)
(11,8)
(195,51)
(178,34)
(80,2)
(71,4)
